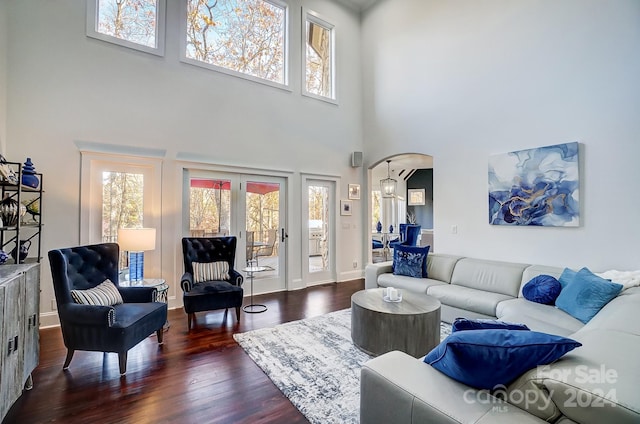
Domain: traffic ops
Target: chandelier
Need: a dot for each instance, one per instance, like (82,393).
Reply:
(388,185)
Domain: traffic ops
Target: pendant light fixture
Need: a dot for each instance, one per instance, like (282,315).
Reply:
(388,185)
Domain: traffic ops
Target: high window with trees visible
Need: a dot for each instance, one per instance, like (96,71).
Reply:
(319,57)
(137,24)
(245,37)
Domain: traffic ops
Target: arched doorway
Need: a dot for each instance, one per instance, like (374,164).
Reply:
(410,202)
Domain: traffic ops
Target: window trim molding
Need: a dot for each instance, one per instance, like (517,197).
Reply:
(314,17)
(286,86)
(161,13)
(92,162)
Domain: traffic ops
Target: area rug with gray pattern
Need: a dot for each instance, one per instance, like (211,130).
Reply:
(314,363)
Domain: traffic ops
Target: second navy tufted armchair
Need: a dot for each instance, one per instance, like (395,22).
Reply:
(210,294)
(116,328)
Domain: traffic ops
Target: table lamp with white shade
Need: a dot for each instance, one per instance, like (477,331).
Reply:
(135,241)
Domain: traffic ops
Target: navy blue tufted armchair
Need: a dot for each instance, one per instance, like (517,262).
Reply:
(115,328)
(211,294)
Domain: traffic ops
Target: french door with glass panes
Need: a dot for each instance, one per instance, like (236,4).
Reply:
(250,207)
(318,242)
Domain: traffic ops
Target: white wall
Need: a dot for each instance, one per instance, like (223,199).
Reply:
(465,79)
(4,35)
(65,87)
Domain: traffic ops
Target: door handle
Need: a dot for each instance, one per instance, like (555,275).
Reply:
(284,235)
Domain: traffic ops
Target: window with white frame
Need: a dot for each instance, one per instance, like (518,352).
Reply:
(119,192)
(122,202)
(246,38)
(318,45)
(137,24)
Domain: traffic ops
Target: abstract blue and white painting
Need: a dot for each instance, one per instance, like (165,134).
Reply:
(538,186)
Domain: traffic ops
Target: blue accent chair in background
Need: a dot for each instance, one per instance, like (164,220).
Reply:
(408,235)
(413,232)
(402,238)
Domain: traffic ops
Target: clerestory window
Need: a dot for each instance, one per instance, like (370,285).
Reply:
(319,61)
(246,38)
(137,24)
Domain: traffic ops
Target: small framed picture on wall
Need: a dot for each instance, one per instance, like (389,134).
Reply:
(415,196)
(346,207)
(354,191)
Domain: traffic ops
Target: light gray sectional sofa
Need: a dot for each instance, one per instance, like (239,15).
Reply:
(598,382)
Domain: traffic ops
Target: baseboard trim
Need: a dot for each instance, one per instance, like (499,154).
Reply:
(350,275)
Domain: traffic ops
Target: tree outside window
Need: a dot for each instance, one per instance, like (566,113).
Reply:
(209,207)
(137,24)
(245,36)
(318,57)
(131,20)
(122,203)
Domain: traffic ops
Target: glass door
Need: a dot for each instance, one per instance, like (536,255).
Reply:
(318,242)
(263,214)
(210,206)
(250,207)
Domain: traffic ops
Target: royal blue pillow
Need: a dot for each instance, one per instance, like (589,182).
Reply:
(586,294)
(464,324)
(485,359)
(410,261)
(543,289)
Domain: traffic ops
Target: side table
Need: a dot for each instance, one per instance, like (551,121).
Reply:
(253,308)
(161,286)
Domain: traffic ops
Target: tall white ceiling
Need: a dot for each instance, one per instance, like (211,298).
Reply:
(358,5)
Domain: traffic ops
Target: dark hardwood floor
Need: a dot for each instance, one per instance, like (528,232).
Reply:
(200,377)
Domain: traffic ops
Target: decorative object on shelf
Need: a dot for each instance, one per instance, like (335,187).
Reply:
(9,211)
(17,231)
(29,177)
(379,227)
(6,172)
(136,241)
(4,257)
(391,228)
(32,207)
(24,250)
(388,186)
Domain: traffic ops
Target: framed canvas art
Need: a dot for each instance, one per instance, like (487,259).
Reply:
(537,187)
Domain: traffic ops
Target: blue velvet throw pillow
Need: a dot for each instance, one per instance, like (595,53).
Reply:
(543,289)
(586,294)
(464,324)
(486,359)
(410,261)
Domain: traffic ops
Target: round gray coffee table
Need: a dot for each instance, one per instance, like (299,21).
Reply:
(411,326)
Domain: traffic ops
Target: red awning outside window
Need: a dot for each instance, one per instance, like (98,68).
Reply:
(252,187)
